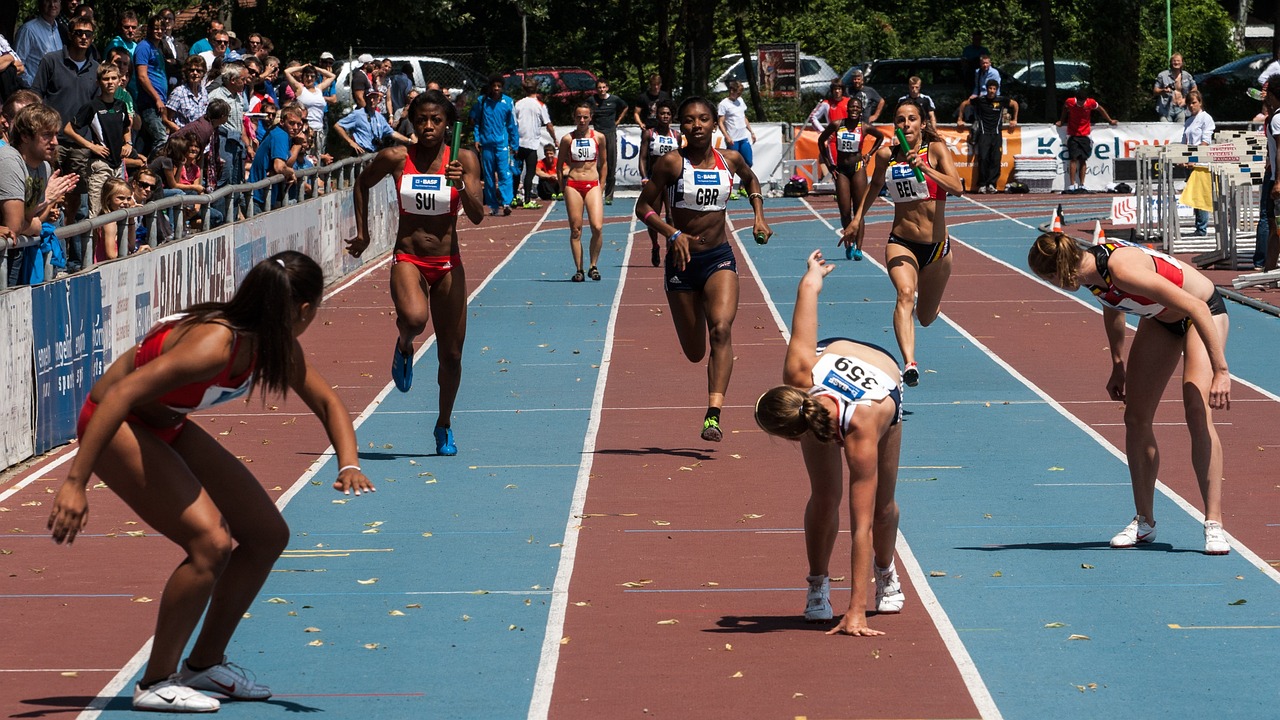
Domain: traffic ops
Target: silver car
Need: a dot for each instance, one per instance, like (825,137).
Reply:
(454,77)
(815,74)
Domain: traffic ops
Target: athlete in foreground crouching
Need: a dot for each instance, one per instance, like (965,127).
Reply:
(842,397)
(135,436)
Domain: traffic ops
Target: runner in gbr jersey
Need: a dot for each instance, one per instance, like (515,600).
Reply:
(427,279)
(846,139)
(580,173)
(841,397)
(1183,317)
(701,270)
(656,141)
(918,254)
(135,436)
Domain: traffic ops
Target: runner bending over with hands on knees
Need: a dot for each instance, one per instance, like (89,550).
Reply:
(698,181)
(427,279)
(135,435)
(1183,317)
(918,254)
(841,397)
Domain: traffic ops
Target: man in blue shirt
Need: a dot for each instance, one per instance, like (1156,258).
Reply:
(365,129)
(38,37)
(984,73)
(493,119)
(153,86)
(277,154)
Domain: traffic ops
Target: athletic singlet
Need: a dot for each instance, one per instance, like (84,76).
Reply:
(849,142)
(427,194)
(582,149)
(903,186)
(1117,299)
(703,190)
(850,382)
(660,145)
(198,395)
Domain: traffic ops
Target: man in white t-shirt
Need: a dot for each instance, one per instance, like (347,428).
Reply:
(531,119)
(734,125)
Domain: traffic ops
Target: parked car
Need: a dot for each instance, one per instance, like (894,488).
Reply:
(454,77)
(1071,74)
(941,78)
(1225,89)
(815,74)
(562,87)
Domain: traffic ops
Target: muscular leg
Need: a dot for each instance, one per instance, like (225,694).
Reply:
(857,184)
(691,325)
(595,216)
(720,302)
(409,295)
(885,529)
(260,534)
(844,198)
(158,484)
(449,308)
(573,204)
(932,285)
(822,513)
(1206,448)
(904,273)
(1152,358)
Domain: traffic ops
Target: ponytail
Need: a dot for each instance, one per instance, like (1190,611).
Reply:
(1055,257)
(266,307)
(790,412)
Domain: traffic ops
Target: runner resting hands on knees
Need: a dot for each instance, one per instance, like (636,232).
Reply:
(918,254)
(135,435)
(1183,317)
(703,300)
(842,397)
(427,278)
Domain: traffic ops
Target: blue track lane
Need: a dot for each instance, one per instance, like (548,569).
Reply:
(1011,501)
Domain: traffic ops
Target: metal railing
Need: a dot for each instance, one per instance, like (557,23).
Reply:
(339,175)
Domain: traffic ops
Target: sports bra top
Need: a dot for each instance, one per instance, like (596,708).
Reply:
(196,396)
(849,142)
(1117,299)
(903,186)
(426,193)
(703,190)
(583,149)
(660,145)
(850,382)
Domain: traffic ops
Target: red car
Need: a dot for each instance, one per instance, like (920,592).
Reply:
(562,87)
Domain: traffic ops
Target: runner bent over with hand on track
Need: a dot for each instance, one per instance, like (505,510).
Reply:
(842,398)
(427,279)
(698,181)
(918,254)
(1183,317)
(135,435)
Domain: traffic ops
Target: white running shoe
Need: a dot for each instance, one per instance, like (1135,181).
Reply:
(818,603)
(1136,532)
(1215,539)
(226,678)
(889,595)
(172,695)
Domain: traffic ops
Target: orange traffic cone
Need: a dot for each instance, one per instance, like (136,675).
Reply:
(1055,225)
(1099,237)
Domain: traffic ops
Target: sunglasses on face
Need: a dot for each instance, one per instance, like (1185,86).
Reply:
(146,185)
(82,33)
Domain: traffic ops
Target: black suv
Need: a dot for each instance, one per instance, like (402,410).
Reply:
(941,78)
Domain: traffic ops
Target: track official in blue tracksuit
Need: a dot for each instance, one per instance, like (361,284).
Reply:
(494,118)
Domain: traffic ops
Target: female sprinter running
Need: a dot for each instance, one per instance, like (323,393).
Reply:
(1182,317)
(655,142)
(842,398)
(847,167)
(135,435)
(580,183)
(427,279)
(704,301)
(918,254)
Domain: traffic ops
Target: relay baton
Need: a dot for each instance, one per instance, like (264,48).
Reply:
(457,141)
(906,150)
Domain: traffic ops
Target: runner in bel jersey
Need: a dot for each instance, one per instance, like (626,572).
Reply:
(656,141)
(704,300)
(427,279)
(848,165)
(1183,317)
(918,253)
(580,173)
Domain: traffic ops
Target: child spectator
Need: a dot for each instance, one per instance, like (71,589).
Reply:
(548,170)
(116,194)
(104,128)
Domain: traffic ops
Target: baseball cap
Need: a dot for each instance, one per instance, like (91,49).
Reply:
(326,55)
(364,58)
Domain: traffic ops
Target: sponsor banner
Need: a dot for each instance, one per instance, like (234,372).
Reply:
(1124,210)
(766,153)
(17,421)
(778,65)
(68,335)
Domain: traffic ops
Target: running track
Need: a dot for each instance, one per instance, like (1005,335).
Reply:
(587,556)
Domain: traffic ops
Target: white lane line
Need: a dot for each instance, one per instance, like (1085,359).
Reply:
(131,668)
(544,681)
(977,687)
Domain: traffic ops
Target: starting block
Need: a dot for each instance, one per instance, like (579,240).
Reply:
(1254,279)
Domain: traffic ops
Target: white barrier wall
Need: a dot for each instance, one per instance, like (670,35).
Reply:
(59,337)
